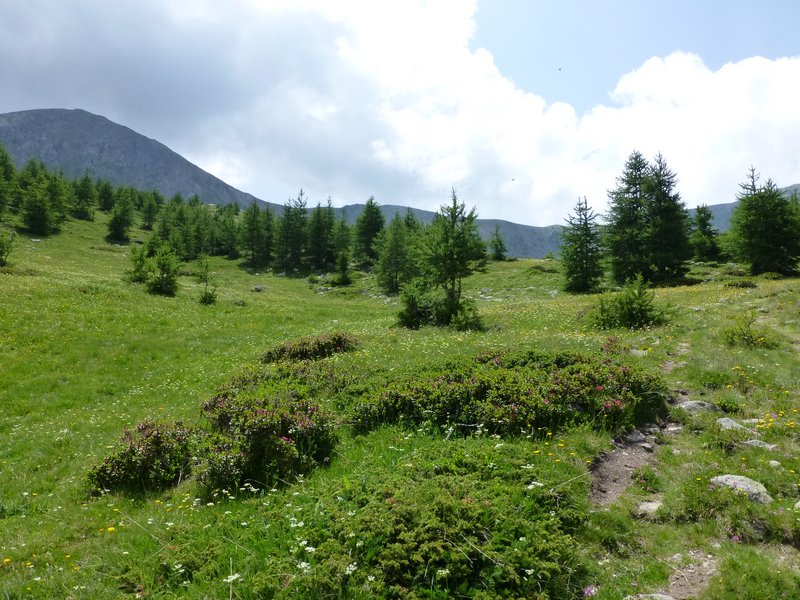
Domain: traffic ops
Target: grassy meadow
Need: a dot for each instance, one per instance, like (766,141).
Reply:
(401,511)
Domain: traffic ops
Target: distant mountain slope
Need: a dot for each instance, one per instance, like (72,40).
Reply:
(76,141)
(522,241)
(722,213)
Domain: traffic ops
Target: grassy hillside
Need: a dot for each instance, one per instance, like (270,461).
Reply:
(409,510)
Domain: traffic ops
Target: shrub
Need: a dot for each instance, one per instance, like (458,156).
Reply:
(633,308)
(152,456)
(6,243)
(140,271)
(519,393)
(164,280)
(312,348)
(264,438)
(742,333)
(420,307)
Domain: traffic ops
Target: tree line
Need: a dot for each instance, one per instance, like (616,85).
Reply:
(426,263)
(648,233)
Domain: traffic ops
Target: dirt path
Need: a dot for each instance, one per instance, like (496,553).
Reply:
(611,475)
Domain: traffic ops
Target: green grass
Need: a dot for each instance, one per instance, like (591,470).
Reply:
(83,355)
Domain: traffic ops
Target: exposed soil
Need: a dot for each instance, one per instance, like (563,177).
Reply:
(690,580)
(611,474)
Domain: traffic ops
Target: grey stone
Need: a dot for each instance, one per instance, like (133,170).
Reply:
(797,505)
(760,444)
(259,288)
(648,508)
(648,447)
(730,424)
(649,597)
(650,429)
(634,437)
(637,352)
(754,490)
(695,406)
(774,464)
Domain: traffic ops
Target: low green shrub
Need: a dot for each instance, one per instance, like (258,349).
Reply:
(743,334)
(446,523)
(633,308)
(6,244)
(152,456)
(264,438)
(745,284)
(312,348)
(519,393)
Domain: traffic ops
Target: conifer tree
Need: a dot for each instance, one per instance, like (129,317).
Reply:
(252,232)
(121,218)
(8,179)
(292,234)
(667,225)
(393,266)
(105,195)
(765,227)
(451,250)
(703,236)
(368,225)
(647,230)
(85,198)
(342,241)
(321,224)
(497,245)
(625,232)
(581,252)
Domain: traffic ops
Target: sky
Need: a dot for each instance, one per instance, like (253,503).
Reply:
(520,106)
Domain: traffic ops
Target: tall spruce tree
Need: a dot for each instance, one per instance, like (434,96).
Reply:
(667,225)
(581,251)
(625,235)
(368,225)
(321,250)
(647,230)
(765,227)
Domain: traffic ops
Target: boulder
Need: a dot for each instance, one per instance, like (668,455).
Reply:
(729,424)
(754,490)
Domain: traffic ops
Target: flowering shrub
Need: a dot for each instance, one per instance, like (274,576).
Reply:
(520,393)
(312,348)
(152,456)
(264,438)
